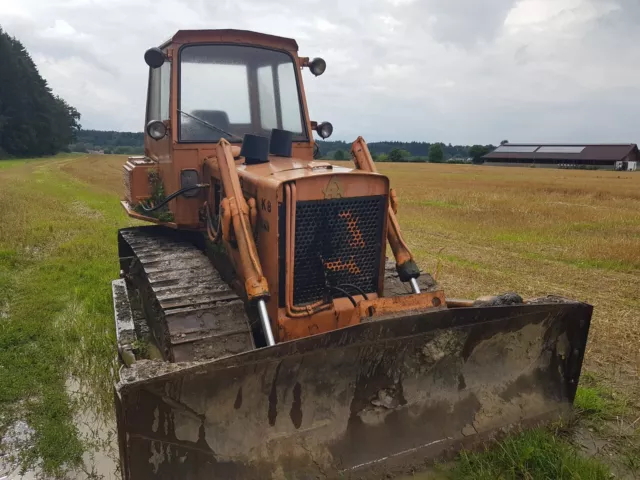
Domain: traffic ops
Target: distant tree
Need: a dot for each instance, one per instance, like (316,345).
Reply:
(122,150)
(416,150)
(80,147)
(476,152)
(339,155)
(436,153)
(102,140)
(33,121)
(399,155)
(382,157)
(504,142)
(68,124)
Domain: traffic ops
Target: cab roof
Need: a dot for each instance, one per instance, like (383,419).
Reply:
(231,36)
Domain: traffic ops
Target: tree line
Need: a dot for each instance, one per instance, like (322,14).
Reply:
(107,141)
(132,143)
(33,121)
(409,151)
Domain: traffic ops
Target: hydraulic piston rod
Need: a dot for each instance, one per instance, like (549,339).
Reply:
(266,325)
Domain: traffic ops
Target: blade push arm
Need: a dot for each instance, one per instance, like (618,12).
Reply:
(407,269)
(236,227)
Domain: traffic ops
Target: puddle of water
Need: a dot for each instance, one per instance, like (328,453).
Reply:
(98,434)
(17,436)
(427,473)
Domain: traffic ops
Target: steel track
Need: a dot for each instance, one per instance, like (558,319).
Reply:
(191,311)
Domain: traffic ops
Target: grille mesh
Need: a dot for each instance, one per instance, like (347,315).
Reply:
(338,241)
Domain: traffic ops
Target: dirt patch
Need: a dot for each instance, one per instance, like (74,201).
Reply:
(145,369)
(510,298)
(33,252)
(612,443)
(394,287)
(445,343)
(85,211)
(103,172)
(549,299)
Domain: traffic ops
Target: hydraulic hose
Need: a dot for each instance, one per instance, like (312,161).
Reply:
(354,287)
(345,293)
(174,195)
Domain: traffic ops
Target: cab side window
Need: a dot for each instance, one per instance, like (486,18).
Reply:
(158,96)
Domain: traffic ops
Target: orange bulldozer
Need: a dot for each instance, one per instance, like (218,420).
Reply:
(262,332)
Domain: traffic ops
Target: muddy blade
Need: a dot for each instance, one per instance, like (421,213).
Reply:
(361,399)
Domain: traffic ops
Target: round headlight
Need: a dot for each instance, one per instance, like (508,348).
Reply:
(324,129)
(156,129)
(317,66)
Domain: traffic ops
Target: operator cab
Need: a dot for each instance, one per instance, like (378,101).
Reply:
(239,89)
(228,89)
(209,85)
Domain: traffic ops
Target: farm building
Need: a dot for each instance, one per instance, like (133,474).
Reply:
(602,156)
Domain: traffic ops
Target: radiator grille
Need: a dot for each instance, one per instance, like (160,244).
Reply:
(336,242)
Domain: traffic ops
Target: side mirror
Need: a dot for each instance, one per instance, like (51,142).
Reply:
(154,57)
(156,129)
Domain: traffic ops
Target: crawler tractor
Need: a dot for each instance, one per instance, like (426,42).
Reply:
(262,332)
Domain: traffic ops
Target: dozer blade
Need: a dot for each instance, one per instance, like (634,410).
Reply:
(358,402)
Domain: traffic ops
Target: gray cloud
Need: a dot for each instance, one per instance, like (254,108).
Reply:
(459,22)
(460,71)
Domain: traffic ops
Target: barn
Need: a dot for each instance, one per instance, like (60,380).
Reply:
(602,156)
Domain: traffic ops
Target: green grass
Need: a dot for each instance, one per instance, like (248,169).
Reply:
(589,400)
(534,454)
(600,401)
(453,259)
(14,163)
(440,203)
(57,258)
(609,415)
(521,236)
(8,163)
(547,453)
(604,264)
(461,261)
(484,230)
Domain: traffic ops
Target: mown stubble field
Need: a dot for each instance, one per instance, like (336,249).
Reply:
(479,230)
(535,231)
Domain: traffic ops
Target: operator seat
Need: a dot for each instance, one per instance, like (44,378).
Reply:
(194,131)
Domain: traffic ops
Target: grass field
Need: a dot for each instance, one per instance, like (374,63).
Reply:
(480,230)
(536,231)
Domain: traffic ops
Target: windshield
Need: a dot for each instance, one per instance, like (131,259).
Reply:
(239,90)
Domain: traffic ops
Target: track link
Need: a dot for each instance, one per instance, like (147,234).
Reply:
(191,311)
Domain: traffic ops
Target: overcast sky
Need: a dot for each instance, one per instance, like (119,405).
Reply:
(459,71)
